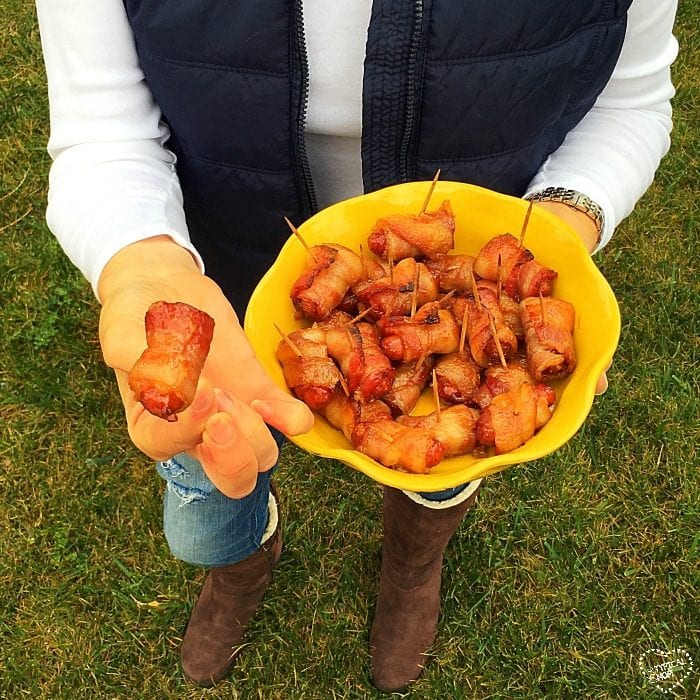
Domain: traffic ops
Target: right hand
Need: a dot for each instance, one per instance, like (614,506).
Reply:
(225,427)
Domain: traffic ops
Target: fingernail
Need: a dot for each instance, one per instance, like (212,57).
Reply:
(261,407)
(220,432)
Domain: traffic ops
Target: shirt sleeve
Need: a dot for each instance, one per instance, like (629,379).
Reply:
(614,152)
(112,181)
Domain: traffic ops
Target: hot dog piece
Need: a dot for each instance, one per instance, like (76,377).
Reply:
(534,280)
(458,377)
(164,379)
(409,381)
(452,272)
(502,253)
(454,428)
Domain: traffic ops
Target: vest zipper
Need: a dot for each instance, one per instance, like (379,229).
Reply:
(411,93)
(305,183)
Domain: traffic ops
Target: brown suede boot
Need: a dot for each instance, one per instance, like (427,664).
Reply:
(408,605)
(229,598)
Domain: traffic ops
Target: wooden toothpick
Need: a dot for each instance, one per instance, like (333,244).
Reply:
(436,395)
(475,292)
(414,299)
(285,337)
(496,340)
(295,231)
(463,330)
(360,315)
(499,280)
(430,192)
(525,223)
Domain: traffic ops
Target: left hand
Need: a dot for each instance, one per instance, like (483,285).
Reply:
(588,234)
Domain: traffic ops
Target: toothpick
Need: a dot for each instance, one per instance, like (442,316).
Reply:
(430,192)
(420,361)
(285,337)
(436,395)
(447,296)
(361,315)
(497,340)
(300,237)
(475,292)
(525,223)
(414,300)
(343,383)
(463,330)
(499,282)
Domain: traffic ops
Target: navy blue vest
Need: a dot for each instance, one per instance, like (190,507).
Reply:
(484,90)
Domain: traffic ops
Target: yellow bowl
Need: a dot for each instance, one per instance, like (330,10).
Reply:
(480,214)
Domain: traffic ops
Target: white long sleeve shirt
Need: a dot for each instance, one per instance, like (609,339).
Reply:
(113,182)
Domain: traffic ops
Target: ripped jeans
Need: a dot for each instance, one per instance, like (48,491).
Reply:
(206,528)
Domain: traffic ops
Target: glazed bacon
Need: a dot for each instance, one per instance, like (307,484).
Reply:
(454,428)
(506,253)
(409,381)
(355,347)
(513,417)
(399,236)
(534,280)
(164,379)
(333,269)
(343,412)
(308,370)
(431,330)
(458,377)
(549,325)
(394,445)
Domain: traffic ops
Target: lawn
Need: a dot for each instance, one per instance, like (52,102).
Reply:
(570,570)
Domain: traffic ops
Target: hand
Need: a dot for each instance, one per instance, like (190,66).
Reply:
(588,232)
(225,427)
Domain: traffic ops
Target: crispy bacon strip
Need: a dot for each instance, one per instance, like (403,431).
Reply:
(458,377)
(431,330)
(164,379)
(512,255)
(344,412)
(308,370)
(452,272)
(409,381)
(409,235)
(549,325)
(454,428)
(356,349)
(513,417)
(333,269)
(393,295)
(534,280)
(398,446)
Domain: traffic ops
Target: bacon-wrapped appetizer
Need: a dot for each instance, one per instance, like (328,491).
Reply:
(454,428)
(457,376)
(343,412)
(502,257)
(414,235)
(409,381)
(483,315)
(549,325)
(534,280)
(308,370)
(164,379)
(395,294)
(333,269)
(513,417)
(431,330)
(452,272)
(398,446)
(356,349)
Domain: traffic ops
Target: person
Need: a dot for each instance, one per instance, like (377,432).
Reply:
(182,134)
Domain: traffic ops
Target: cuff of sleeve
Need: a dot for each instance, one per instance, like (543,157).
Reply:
(590,189)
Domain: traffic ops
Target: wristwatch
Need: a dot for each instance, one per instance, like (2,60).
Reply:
(575,200)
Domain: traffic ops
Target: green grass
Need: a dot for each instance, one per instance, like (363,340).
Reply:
(569,569)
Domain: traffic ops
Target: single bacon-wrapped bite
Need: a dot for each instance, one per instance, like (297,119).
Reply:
(178,336)
(409,381)
(457,376)
(355,347)
(452,272)
(308,370)
(431,330)
(396,293)
(513,417)
(398,236)
(344,412)
(454,428)
(397,446)
(549,325)
(332,270)
(534,280)
(502,256)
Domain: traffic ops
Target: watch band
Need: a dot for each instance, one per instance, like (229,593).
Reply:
(575,200)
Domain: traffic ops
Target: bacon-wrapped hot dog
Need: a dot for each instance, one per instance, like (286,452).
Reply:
(356,349)
(322,286)
(409,381)
(502,255)
(513,417)
(458,377)
(344,412)
(454,428)
(308,370)
(534,280)
(549,325)
(398,446)
(452,272)
(431,330)
(414,235)
(164,379)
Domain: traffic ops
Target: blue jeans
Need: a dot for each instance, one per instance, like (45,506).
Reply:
(206,528)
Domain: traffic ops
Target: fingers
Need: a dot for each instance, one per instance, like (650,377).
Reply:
(287,414)
(602,386)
